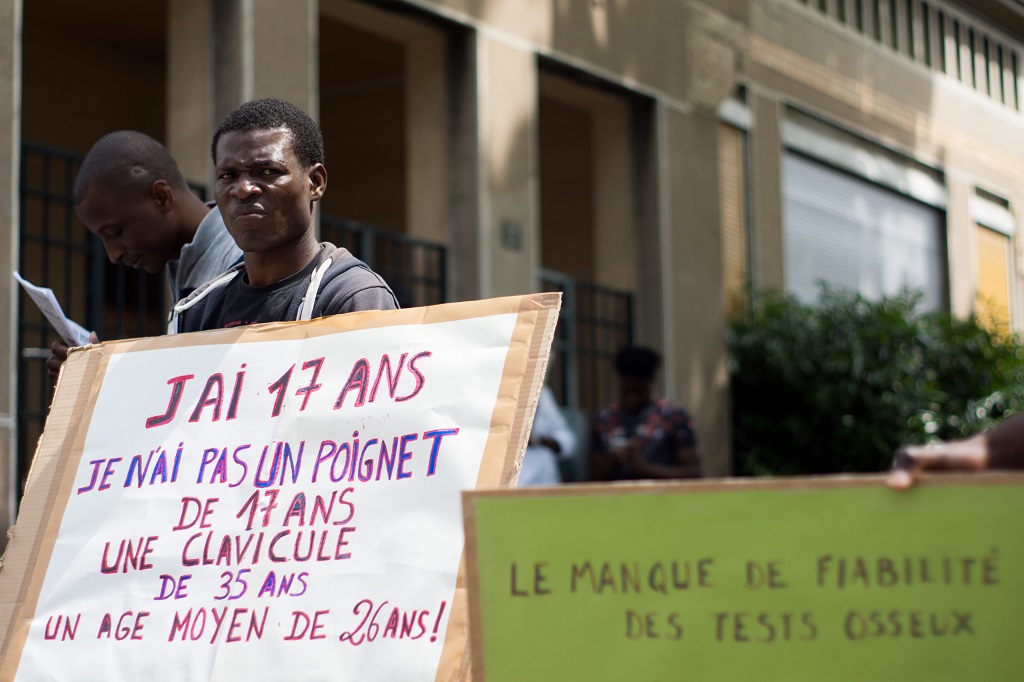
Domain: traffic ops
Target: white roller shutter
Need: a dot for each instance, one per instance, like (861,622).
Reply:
(852,233)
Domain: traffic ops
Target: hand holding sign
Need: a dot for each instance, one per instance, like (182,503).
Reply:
(1000,447)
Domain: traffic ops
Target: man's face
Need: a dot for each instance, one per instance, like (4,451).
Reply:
(634,393)
(136,229)
(264,192)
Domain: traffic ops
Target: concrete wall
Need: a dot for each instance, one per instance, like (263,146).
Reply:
(190,86)
(695,323)
(247,67)
(797,58)
(508,205)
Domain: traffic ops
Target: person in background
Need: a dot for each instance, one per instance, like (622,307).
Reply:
(269,161)
(130,193)
(1000,447)
(551,439)
(642,436)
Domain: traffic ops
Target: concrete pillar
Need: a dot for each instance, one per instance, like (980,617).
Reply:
(651,303)
(696,322)
(1017,262)
(766,234)
(426,139)
(10,143)
(266,48)
(507,160)
(960,246)
(190,87)
(463,166)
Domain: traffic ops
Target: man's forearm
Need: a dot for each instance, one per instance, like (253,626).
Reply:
(1005,443)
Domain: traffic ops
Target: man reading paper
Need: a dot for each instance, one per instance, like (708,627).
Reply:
(130,193)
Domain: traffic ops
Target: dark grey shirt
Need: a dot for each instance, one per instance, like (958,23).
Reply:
(348,285)
(211,252)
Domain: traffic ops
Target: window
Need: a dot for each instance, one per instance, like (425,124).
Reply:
(859,216)
(993,266)
(854,234)
(733,206)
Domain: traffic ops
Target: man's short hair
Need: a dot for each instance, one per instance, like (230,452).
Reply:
(268,114)
(637,362)
(127,162)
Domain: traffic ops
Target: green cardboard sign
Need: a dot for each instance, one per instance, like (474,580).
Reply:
(801,579)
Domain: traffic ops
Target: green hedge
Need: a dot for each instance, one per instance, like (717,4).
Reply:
(838,386)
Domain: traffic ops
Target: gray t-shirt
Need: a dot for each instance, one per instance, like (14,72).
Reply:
(211,252)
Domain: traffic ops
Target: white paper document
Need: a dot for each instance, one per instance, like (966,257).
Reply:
(70,331)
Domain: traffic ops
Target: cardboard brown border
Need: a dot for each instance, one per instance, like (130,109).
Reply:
(46,495)
(503,454)
(370,319)
(60,448)
(469,498)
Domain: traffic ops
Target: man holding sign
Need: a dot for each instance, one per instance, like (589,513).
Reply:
(270,174)
(271,503)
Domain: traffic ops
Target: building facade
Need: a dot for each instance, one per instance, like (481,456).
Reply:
(649,158)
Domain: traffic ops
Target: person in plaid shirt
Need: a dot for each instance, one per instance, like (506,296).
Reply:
(642,437)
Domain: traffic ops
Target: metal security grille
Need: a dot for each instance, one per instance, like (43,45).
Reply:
(415,269)
(58,252)
(594,323)
(939,37)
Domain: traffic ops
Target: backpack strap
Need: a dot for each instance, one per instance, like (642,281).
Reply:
(342,261)
(199,294)
(305,311)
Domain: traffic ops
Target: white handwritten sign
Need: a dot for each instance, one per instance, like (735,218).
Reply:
(271,503)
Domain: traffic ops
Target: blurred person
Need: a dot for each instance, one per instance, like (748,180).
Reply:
(999,447)
(551,439)
(641,436)
(130,193)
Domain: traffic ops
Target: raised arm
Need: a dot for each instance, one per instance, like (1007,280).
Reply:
(1000,447)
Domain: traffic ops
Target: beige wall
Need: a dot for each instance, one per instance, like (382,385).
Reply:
(508,205)
(246,66)
(698,375)
(628,39)
(795,57)
(690,54)
(960,248)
